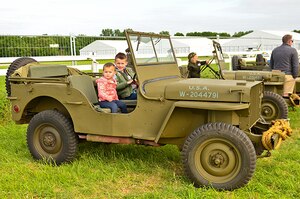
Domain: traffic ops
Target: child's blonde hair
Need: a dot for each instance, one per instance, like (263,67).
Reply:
(108,65)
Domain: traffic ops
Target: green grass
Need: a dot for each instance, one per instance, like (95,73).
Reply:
(130,171)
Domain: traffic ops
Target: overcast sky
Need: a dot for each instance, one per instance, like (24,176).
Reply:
(89,17)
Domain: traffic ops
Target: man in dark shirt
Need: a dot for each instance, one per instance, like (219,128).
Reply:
(285,59)
(194,66)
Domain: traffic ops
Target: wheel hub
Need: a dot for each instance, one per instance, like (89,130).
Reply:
(49,140)
(269,111)
(217,160)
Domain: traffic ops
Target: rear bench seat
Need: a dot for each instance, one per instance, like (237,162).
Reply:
(85,85)
(47,70)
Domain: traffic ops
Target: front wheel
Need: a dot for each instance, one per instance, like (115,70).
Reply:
(50,136)
(219,155)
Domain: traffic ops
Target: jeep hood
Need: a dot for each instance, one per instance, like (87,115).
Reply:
(195,89)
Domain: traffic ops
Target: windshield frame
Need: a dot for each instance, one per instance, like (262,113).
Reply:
(158,47)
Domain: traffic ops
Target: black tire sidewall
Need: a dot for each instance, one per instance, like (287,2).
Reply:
(232,135)
(22,61)
(235,63)
(278,101)
(65,130)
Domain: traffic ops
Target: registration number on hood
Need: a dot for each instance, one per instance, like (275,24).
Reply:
(199,94)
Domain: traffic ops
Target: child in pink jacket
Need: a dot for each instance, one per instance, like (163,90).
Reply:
(107,92)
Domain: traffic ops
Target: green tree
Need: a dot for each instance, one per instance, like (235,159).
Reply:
(178,34)
(107,32)
(297,31)
(118,33)
(208,34)
(128,29)
(13,46)
(241,33)
(164,32)
(224,34)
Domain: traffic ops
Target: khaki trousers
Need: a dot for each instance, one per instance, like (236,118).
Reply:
(289,84)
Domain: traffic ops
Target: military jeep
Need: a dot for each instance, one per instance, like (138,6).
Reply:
(215,123)
(250,62)
(273,105)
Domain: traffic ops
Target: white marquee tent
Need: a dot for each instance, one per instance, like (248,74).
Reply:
(104,48)
(200,45)
(262,39)
(107,49)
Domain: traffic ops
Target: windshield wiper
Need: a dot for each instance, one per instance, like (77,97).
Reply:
(138,44)
(157,41)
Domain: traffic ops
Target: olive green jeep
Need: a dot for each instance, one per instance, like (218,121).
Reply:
(274,106)
(215,123)
(250,62)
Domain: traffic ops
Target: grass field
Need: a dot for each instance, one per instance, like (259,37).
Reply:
(129,171)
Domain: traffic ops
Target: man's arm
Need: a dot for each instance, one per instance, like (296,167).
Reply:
(295,64)
(272,61)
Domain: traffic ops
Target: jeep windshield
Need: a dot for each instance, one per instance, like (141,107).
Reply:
(151,49)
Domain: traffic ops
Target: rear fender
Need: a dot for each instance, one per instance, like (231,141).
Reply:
(37,105)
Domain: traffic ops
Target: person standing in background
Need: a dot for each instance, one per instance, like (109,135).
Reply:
(285,58)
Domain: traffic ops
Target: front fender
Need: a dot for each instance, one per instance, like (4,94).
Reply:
(184,116)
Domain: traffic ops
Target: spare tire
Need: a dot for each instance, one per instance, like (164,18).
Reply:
(235,63)
(14,66)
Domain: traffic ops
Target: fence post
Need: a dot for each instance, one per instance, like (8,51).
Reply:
(73,47)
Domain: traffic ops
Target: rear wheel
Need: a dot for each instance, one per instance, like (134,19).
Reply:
(13,67)
(273,107)
(50,136)
(219,155)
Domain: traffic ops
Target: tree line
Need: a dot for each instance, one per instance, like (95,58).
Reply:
(118,32)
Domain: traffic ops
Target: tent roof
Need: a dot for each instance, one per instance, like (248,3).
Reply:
(280,34)
(265,37)
(200,45)
(178,44)
(119,45)
(96,45)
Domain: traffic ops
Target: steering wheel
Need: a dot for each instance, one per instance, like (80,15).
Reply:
(135,80)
